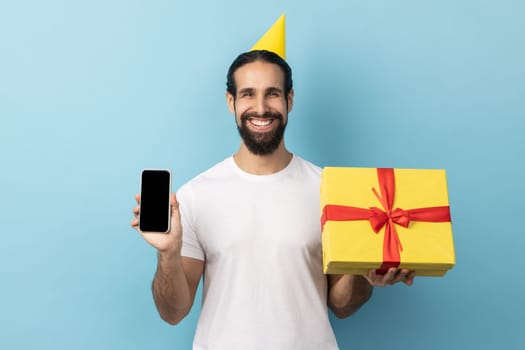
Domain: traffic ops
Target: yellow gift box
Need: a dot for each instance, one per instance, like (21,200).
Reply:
(376,218)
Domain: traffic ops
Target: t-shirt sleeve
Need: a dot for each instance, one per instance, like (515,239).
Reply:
(191,246)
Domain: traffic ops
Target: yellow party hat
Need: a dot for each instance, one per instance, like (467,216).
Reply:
(274,39)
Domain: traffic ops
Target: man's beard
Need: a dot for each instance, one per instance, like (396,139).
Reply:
(262,143)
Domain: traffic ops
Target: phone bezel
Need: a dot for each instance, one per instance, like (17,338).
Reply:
(168,171)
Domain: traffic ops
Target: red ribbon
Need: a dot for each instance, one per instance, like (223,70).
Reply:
(387,217)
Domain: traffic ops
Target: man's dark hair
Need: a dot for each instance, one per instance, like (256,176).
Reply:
(258,55)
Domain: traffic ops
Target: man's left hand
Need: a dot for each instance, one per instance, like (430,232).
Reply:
(392,276)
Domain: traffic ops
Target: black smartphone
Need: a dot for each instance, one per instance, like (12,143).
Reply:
(155,185)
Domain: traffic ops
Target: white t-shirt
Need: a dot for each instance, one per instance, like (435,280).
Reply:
(260,238)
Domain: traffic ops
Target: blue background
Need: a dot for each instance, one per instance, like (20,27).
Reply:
(93,91)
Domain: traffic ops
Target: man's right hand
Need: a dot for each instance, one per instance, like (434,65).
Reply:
(177,278)
(171,242)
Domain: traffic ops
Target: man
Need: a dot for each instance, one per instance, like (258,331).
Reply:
(250,225)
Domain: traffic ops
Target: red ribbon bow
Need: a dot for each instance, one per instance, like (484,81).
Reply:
(387,217)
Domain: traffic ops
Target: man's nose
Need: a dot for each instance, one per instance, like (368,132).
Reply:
(260,105)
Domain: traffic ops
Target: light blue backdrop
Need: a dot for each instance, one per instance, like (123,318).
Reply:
(93,91)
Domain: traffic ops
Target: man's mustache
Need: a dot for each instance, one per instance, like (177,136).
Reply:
(265,115)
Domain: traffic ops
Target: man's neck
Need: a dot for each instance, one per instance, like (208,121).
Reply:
(262,165)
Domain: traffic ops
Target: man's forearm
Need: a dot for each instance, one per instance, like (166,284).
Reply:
(347,294)
(171,291)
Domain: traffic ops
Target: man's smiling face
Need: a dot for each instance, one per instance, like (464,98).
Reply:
(260,106)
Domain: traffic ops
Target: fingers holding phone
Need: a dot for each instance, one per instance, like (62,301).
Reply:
(157,216)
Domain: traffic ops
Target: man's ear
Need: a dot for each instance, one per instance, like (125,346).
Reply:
(290,100)
(230,100)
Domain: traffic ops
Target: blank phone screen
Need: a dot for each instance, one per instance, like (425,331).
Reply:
(155,201)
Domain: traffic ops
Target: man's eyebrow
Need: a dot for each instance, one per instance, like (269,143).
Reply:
(274,89)
(247,89)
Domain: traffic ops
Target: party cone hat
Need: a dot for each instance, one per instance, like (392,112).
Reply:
(274,39)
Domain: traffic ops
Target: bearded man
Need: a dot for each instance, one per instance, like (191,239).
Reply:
(250,227)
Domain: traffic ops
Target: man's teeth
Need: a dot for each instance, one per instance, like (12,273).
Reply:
(260,122)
